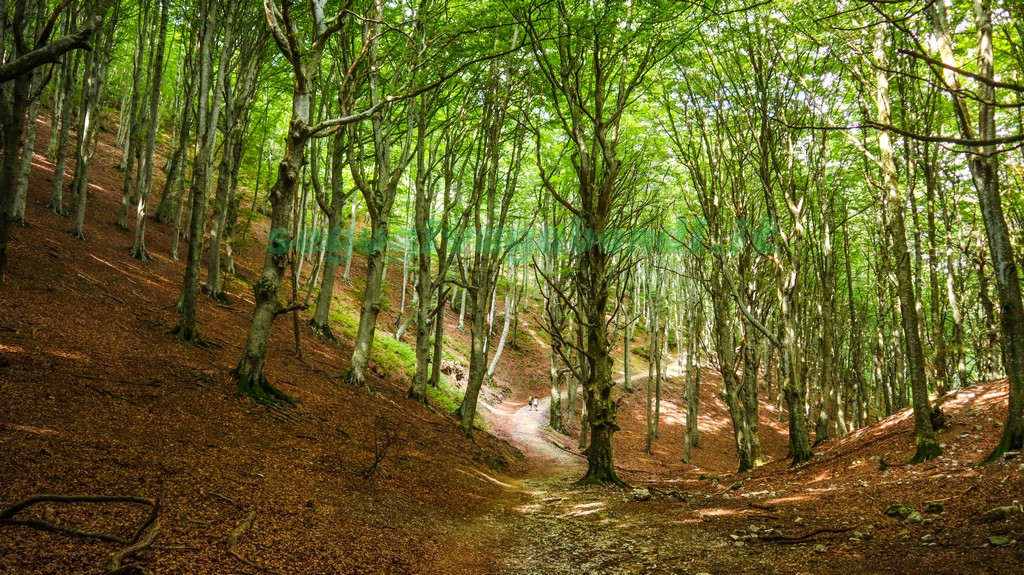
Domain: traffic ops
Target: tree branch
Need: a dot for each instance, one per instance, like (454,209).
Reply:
(51,53)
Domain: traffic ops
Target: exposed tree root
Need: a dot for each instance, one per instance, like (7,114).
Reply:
(262,391)
(232,544)
(351,377)
(784,539)
(141,255)
(1011,440)
(926,450)
(610,478)
(114,566)
(221,497)
(8,515)
(144,536)
(324,331)
(191,336)
(218,296)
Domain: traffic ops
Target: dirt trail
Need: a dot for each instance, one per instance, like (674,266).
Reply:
(528,430)
(550,526)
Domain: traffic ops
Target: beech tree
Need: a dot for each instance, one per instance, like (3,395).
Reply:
(33,46)
(494,184)
(303,51)
(211,79)
(593,60)
(391,134)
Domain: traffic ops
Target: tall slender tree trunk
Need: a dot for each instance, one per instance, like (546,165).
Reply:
(69,71)
(208,116)
(27,154)
(927,445)
(320,320)
(136,117)
(97,67)
(146,181)
(424,283)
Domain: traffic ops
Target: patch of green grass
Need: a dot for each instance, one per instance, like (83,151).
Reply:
(458,347)
(389,353)
(399,357)
(445,396)
(447,353)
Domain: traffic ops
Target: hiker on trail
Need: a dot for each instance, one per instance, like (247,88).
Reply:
(530,402)
(536,402)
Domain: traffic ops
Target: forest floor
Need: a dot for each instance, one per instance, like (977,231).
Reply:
(97,398)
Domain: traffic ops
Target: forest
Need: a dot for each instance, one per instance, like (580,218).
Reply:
(280,281)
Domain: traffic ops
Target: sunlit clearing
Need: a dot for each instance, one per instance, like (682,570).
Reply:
(11,348)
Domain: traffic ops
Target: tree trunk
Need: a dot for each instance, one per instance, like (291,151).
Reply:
(69,71)
(320,322)
(208,116)
(97,66)
(146,181)
(135,115)
(424,284)
(379,195)
(477,358)
(927,445)
(27,154)
(510,304)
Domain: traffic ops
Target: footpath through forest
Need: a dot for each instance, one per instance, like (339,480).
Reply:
(833,515)
(549,526)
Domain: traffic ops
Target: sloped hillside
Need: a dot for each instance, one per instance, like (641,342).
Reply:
(97,398)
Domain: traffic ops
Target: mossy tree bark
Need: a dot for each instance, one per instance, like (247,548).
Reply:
(304,59)
(380,189)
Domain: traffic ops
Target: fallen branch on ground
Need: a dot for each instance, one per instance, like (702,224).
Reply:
(780,538)
(966,491)
(221,497)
